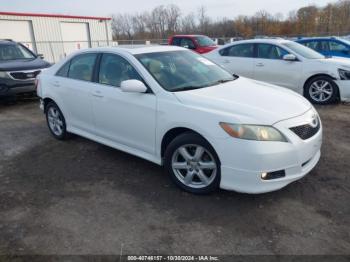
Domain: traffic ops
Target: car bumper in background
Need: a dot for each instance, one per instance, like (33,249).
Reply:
(344,89)
(243,162)
(13,87)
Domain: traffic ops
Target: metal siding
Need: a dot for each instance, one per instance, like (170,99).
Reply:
(47,33)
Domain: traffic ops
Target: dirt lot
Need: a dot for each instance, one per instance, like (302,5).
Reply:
(79,197)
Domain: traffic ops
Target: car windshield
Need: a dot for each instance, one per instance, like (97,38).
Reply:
(14,52)
(204,41)
(183,70)
(303,50)
(345,41)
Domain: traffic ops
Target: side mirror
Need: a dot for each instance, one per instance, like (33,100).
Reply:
(289,57)
(133,86)
(41,56)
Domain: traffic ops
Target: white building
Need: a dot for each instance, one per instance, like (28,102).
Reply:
(53,35)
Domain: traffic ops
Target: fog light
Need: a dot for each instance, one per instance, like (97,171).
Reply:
(273,175)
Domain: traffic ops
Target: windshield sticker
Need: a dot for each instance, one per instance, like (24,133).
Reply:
(205,61)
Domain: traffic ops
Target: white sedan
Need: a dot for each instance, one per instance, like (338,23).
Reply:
(289,64)
(176,108)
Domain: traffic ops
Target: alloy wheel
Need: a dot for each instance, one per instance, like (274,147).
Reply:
(194,166)
(55,121)
(321,90)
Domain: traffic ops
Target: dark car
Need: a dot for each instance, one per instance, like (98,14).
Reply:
(18,68)
(198,43)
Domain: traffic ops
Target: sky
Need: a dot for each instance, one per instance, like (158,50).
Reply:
(215,8)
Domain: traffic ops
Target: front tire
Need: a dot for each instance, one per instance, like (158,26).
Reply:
(56,121)
(321,90)
(192,163)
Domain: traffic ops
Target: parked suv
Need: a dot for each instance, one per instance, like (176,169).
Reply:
(18,68)
(328,46)
(198,43)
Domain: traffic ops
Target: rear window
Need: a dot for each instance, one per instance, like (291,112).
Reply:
(241,50)
(82,67)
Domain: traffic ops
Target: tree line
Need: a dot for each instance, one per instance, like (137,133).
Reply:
(163,21)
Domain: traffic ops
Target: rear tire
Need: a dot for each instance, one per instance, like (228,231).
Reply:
(193,164)
(56,121)
(321,90)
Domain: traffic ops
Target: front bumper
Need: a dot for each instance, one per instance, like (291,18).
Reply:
(243,161)
(344,89)
(12,87)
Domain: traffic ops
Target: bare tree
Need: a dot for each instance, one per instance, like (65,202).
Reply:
(173,14)
(188,24)
(163,21)
(203,19)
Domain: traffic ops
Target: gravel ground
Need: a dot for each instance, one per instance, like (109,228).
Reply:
(80,197)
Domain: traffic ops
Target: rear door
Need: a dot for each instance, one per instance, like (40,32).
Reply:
(270,67)
(238,59)
(74,84)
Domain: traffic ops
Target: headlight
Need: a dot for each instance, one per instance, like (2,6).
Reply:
(253,132)
(344,74)
(3,74)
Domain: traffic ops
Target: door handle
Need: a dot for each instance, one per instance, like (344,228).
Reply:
(226,61)
(260,65)
(97,93)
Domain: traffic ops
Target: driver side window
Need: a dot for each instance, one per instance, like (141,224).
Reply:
(267,51)
(188,43)
(115,69)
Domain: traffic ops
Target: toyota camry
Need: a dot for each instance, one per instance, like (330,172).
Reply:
(208,128)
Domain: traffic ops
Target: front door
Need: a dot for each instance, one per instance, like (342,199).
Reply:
(270,67)
(124,118)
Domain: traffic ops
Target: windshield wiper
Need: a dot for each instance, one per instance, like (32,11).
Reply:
(185,88)
(221,81)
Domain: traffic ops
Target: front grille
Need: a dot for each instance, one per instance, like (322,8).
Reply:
(25,75)
(306,131)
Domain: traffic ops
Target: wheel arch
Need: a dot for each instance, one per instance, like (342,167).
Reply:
(316,75)
(174,132)
(46,101)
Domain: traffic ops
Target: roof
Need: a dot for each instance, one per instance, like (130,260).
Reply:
(7,41)
(154,49)
(186,35)
(134,51)
(55,15)
(318,38)
(263,40)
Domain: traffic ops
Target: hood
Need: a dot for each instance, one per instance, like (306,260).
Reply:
(336,61)
(249,101)
(23,64)
(206,49)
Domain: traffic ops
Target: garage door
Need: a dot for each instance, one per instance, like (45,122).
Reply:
(75,36)
(21,31)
